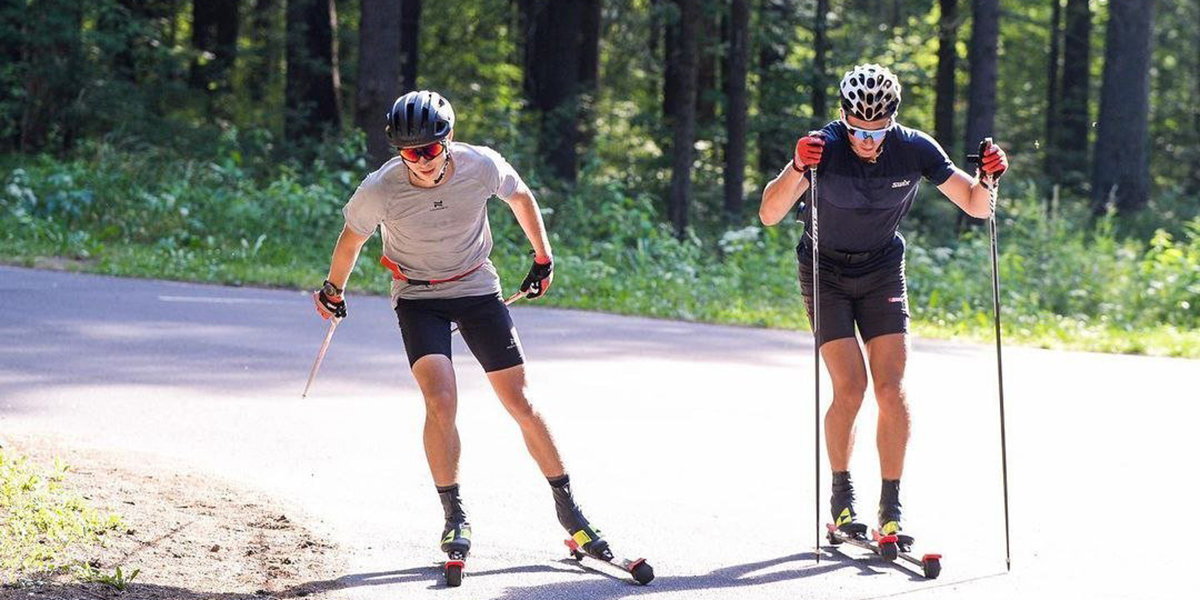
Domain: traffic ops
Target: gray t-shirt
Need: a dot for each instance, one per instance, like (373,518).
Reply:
(440,232)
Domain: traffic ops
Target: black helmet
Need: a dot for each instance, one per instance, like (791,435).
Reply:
(419,118)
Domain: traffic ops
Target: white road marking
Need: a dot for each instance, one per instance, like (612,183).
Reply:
(218,300)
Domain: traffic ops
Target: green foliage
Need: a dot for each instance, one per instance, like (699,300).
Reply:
(118,580)
(1065,281)
(40,519)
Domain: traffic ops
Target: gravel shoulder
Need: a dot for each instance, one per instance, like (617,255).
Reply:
(190,536)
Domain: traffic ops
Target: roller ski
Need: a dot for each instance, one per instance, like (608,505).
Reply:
(887,542)
(456,537)
(586,542)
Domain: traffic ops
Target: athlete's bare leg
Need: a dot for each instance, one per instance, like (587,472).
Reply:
(510,387)
(888,355)
(435,376)
(844,360)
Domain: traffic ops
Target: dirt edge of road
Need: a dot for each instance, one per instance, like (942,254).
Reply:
(191,536)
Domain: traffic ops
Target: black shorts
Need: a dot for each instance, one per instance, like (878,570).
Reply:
(875,299)
(483,322)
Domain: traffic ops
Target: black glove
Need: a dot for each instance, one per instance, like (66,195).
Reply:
(330,302)
(537,282)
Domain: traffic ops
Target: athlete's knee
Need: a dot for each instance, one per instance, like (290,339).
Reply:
(522,410)
(441,404)
(848,394)
(891,396)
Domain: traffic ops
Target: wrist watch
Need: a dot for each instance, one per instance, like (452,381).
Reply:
(330,290)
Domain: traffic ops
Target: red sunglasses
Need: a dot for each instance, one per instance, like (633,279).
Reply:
(429,152)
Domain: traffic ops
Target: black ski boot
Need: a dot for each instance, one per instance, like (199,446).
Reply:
(841,505)
(456,535)
(890,515)
(571,518)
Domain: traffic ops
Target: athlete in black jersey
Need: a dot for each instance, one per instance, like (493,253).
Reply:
(869,167)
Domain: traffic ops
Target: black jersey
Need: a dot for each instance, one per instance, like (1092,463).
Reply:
(862,202)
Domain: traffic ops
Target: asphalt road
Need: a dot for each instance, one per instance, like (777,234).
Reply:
(689,444)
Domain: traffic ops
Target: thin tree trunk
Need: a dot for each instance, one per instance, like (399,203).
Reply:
(313,93)
(819,75)
(1052,164)
(684,125)
(379,59)
(410,44)
(1073,111)
(774,145)
(735,110)
(981,109)
(52,54)
(552,79)
(708,47)
(1122,168)
(214,36)
(670,57)
(947,67)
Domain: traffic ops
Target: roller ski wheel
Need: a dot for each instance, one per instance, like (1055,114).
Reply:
(638,568)
(453,568)
(887,546)
(931,565)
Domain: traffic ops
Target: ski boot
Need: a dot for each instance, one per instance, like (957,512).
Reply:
(456,536)
(841,506)
(586,541)
(889,537)
(571,518)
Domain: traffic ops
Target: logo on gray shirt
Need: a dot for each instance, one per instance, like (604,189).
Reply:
(438,205)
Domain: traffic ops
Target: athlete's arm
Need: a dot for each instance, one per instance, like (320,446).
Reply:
(966,192)
(345,254)
(781,195)
(529,215)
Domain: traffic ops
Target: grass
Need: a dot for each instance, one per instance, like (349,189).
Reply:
(42,523)
(1068,281)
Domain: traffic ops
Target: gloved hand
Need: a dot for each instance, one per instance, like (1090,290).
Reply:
(994,162)
(537,282)
(329,301)
(808,151)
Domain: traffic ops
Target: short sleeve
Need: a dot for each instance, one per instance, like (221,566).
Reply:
(366,208)
(935,165)
(502,179)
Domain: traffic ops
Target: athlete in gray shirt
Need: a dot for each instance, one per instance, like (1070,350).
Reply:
(430,205)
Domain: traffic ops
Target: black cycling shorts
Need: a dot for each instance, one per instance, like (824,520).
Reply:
(876,300)
(483,322)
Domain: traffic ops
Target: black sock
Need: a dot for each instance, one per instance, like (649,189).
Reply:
(841,481)
(889,492)
(451,503)
(559,482)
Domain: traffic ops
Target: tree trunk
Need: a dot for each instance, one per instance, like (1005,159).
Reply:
(684,111)
(552,62)
(981,108)
(52,54)
(313,93)
(1052,164)
(819,76)
(1122,168)
(670,25)
(708,47)
(379,59)
(735,108)
(943,110)
(410,44)
(265,57)
(774,136)
(1073,111)
(214,37)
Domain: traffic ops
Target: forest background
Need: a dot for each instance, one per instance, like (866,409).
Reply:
(217,140)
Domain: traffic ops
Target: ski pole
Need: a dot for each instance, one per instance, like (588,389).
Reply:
(999,361)
(333,323)
(508,301)
(816,295)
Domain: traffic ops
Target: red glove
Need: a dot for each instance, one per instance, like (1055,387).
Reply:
(995,162)
(808,151)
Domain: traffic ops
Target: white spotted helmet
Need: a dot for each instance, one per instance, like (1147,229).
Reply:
(870,92)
